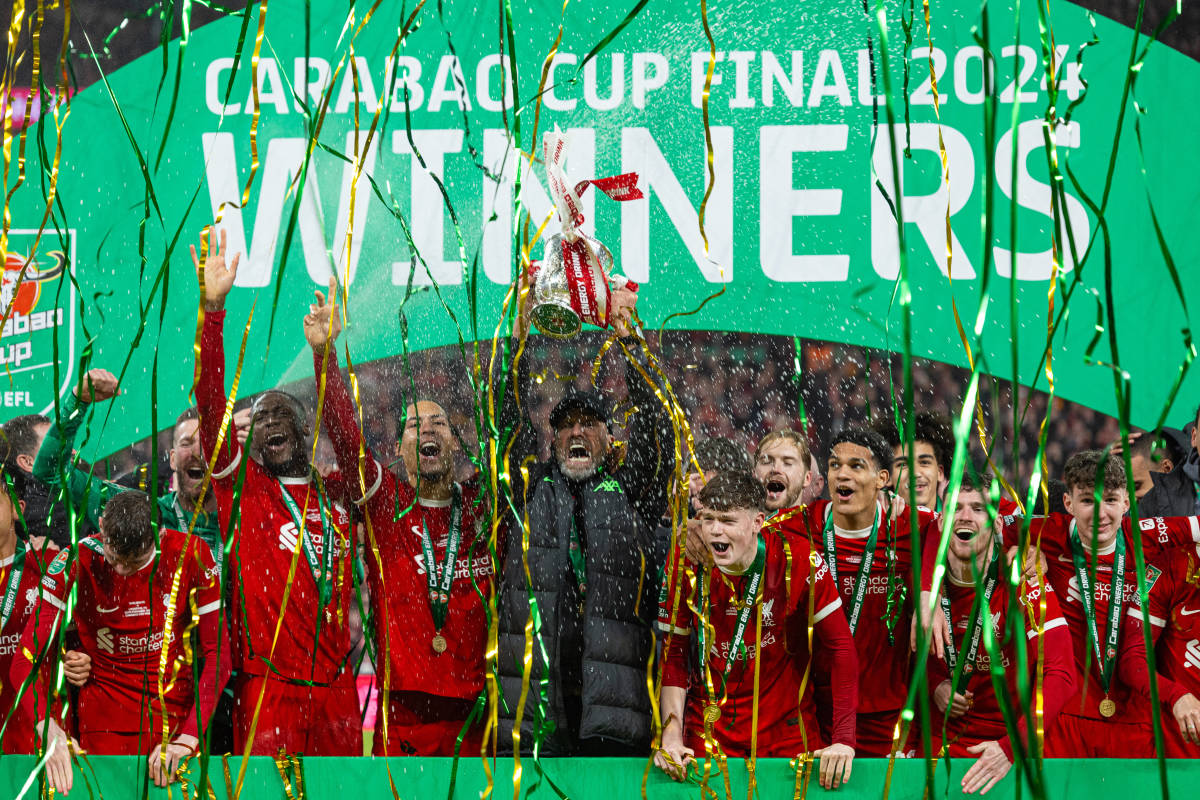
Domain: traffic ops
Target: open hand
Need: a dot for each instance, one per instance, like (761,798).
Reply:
(836,762)
(322,323)
(991,766)
(218,277)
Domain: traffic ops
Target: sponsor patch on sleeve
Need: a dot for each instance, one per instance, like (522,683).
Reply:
(58,564)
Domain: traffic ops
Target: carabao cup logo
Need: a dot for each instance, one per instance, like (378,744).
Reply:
(37,322)
(21,296)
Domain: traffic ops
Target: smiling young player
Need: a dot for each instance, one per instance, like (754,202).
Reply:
(968,720)
(750,628)
(1109,716)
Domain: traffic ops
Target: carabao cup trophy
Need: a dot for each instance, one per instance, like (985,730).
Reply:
(571,285)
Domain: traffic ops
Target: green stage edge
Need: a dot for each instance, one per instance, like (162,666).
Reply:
(121,778)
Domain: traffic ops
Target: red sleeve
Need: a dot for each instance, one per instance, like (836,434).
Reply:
(1059,677)
(1131,661)
(675,623)
(211,397)
(837,643)
(38,640)
(214,642)
(1163,533)
(337,415)
(833,634)
(931,534)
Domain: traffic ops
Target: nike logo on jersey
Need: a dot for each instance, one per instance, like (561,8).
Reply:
(104,640)
(107,610)
(1187,612)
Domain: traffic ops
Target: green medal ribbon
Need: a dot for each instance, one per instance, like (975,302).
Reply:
(747,605)
(14,584)
(1116,596)
(864,568)
(320,571)
(975,627)
(440,580)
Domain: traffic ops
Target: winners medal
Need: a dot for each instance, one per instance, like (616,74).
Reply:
(1106,654)
(712,713)
(441,578)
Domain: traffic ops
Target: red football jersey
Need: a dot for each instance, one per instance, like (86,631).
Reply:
(312,640)
(1054,533)
(396,570)
(404,628)
(786,720)
(122,620)
(985,720)
(19,736)
(884,660)
(1175,620)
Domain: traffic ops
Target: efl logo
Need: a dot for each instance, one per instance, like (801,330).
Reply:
(38,313)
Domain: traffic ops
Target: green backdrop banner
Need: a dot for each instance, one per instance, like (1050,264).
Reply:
(597,779)
(799,232)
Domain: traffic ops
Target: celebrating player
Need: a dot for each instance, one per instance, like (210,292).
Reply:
(21,570)
(1174,613)
(1108,717)
(428,568)
(781,464)
(968,720)
(136,593)
(870,556)
(755,607)
(176,508)
(291,574)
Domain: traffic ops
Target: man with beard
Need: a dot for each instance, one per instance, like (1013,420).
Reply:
(290,563)
(967,717)
(870,556)
(189,507)
(44,519)
(781,464)
(737,662)
(588,553)
(428,565)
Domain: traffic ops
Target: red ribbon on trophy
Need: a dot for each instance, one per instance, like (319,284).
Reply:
(572,285)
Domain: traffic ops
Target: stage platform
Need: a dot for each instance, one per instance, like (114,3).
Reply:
(120,778)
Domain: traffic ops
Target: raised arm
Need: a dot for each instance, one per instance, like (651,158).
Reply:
(55,462)
(216,282)
(650,451)
(515,434)
(355,460)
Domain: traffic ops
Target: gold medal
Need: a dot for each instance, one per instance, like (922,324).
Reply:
(1107,707)
(712,713)
(439,643)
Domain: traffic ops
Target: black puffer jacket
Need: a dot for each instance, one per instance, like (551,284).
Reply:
(603,652)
